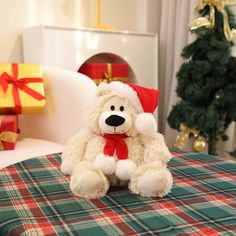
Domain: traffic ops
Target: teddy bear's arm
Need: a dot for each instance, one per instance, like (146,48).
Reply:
(155,148)
(74,150)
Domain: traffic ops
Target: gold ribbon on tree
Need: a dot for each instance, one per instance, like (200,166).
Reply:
(7,136)
(203,21)
(182,139)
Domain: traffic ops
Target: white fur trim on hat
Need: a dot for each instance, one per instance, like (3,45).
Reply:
(125,169)
(106,164)
(121,89)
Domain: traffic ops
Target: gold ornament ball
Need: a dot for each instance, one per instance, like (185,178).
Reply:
(199,145)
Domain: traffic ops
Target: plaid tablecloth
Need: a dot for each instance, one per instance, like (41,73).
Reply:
(35,199)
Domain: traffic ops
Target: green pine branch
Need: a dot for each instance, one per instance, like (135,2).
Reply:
(206,83)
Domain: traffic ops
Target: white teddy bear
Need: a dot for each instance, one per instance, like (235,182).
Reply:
(119,146)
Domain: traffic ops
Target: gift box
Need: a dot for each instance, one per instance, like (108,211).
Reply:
(21,89)
(105,72)
(8,132)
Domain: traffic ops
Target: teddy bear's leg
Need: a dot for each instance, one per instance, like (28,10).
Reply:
(88,181)
(151,180)
(74,151)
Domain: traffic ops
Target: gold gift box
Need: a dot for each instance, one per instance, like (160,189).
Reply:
(21,89)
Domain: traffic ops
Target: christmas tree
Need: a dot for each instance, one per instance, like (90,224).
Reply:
(207,80)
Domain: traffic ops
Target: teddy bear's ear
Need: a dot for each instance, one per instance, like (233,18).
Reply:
(103,89)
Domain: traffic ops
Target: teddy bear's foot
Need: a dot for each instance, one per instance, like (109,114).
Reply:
(66,167)
(151,183)
(89,183)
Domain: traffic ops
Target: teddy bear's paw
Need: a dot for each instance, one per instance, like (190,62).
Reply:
(89,184)
(125,169)
(105,163)
(66,168)
(152,183)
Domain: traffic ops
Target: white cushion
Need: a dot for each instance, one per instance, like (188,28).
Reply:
(28,148)
(67,95)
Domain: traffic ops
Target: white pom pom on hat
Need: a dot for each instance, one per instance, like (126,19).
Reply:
(146,124)
(145,100)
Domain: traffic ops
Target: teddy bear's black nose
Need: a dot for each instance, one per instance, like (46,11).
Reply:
(115,120)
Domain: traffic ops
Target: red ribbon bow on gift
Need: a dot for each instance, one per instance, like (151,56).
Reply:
(19,83)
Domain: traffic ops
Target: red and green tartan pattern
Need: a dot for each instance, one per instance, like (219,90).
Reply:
(35,199)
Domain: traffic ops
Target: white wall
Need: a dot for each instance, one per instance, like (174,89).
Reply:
(131,15)
(15,15)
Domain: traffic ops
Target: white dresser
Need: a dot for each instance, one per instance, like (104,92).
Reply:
(69,48)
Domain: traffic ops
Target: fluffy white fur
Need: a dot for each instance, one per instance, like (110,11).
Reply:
(146,124)
(88,181)
(123,90)
(105,163)
(145,171)
(125,169)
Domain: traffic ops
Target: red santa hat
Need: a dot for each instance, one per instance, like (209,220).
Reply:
(147,97)
(145,100)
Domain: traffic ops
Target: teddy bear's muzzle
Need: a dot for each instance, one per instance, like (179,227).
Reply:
(115,120)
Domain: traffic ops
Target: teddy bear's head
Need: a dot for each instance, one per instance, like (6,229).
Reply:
(117,109)
(117,116)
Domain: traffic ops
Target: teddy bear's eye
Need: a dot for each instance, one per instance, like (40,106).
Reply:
(112,107)
(122,108)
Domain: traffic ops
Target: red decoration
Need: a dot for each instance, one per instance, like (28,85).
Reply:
(8,132)
(19,83)
(102,72)
(115,142)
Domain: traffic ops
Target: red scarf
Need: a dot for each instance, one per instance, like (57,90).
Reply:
(115,142)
